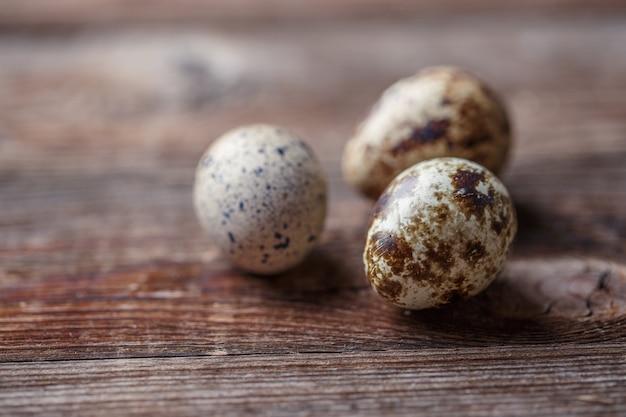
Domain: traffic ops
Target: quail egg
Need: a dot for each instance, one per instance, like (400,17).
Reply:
(440,231)
(260,193)
(440,111)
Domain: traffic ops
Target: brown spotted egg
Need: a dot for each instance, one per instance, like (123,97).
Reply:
(261,196)
(440,111)
(440,231)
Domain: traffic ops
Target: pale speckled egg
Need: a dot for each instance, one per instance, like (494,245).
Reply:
(440,111)
(260,193)
(440,231)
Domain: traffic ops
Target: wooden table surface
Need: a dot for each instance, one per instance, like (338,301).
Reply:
(113,302)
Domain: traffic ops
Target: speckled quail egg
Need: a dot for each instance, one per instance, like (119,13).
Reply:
(440,111)
(260,193)
(440,231)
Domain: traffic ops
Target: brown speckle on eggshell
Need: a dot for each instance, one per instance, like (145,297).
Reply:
(260,193)
(440,111)
(441,231)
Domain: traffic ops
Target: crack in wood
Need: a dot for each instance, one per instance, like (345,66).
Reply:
(565,287)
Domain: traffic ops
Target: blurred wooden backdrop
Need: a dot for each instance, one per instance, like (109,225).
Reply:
(112,301)
(77,12)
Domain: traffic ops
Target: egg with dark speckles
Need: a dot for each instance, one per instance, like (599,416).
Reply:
(439,112)
(260,193)
(440,231)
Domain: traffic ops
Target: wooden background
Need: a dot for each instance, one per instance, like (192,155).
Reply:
(113,302)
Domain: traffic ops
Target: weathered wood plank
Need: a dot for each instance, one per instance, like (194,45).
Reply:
(504,381)
(188,309)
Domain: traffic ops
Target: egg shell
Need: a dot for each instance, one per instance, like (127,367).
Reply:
(260,193)
(440,231)
(440,111)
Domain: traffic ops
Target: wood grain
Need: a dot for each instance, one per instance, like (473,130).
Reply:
(112,301)
(426,381)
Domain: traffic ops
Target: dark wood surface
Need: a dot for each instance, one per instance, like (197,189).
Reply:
(112,301)
(64,13)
